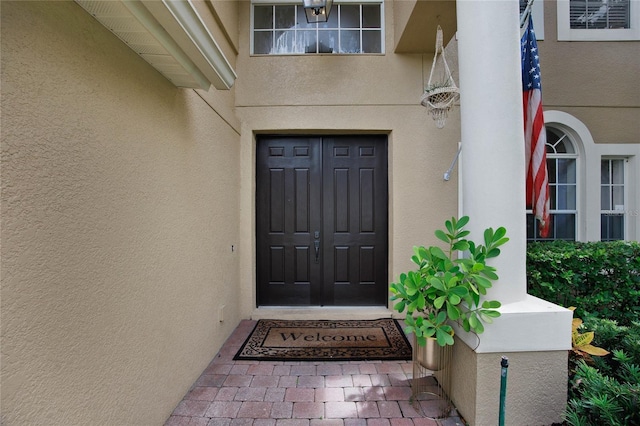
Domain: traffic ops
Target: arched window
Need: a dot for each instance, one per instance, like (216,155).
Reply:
(562,158)
(594,187)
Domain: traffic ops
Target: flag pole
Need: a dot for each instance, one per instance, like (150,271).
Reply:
(525,13)
(537,183)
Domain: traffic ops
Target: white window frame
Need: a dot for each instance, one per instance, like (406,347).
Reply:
(537,11)
(590,155)
(335,3)
(566,33)
(569,156)
(577,157)
(625,188)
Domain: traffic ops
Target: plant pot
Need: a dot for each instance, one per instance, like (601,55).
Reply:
(432,356)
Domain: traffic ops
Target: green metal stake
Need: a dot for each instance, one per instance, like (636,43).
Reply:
(503,388)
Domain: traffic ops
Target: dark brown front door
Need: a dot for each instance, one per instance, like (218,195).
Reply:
(321,220)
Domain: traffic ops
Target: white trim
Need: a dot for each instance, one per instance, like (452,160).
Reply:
(630,153)
(149,22)
(185,13)
(625,188)
(171,36)
(537,11)
(589,156)
(253,31)
(284,2)
(138,28)
(528,325)
(565,33)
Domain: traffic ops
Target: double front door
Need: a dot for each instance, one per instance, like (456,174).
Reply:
(321,220)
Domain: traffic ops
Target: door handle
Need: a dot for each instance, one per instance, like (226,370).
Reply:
(316,244)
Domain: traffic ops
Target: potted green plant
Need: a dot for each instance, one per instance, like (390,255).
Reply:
(446,287)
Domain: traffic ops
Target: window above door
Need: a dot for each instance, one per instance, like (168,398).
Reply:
(282,29)
(598,20)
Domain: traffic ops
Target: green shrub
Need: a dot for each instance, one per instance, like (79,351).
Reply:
(596,399)
(609,334)
(606,390)
(601,278)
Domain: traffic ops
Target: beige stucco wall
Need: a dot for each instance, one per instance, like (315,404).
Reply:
(226,11)
(536,386)
(226,35)
(593,81)
(120,195)
(348,94)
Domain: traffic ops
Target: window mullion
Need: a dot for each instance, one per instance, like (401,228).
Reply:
(339,28)
(361,24)
(273,41)
(296,38)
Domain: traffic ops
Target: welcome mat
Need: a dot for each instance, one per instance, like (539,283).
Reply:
(323,340)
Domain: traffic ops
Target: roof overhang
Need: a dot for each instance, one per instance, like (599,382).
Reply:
(171,36)
(416,22)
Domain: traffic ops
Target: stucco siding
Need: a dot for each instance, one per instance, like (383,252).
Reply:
(608,125)
(535,392)
(300,80)
(119,200)
(351,94)
(419,198)
(594,81)
(221,19)
(226,14)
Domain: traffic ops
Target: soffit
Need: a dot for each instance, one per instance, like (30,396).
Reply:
(417,21)
(170,36)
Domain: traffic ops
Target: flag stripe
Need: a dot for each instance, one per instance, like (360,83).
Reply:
(537,181)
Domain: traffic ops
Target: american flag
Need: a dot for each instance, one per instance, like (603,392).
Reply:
(535,135)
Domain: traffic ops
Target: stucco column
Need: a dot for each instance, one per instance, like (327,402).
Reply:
(492,162)
(533,333)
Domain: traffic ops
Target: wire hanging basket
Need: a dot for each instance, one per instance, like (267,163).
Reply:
(439,96)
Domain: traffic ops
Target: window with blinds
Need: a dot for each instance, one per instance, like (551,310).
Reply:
(599,14)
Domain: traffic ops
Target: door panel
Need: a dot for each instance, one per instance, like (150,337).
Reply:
(321,220)
(287,215)
(355,220)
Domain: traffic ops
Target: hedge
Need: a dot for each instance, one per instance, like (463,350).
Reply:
(601,278)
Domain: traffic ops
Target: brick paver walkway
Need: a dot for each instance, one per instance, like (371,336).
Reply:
(268,393)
